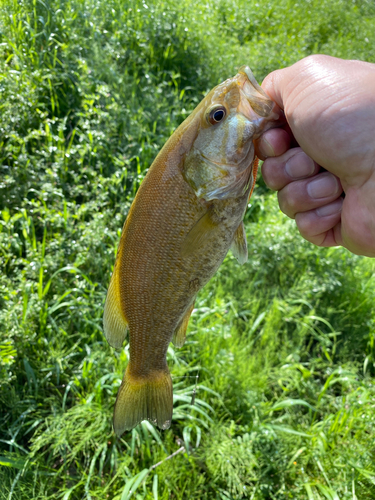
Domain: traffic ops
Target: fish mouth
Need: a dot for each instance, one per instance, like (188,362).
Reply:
(253,92)
(256,105)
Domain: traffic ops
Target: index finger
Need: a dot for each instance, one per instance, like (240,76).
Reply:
(273,142)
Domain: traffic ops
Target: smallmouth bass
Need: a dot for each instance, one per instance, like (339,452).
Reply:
(185,216)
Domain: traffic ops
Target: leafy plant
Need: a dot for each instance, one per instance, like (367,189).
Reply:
(273,391)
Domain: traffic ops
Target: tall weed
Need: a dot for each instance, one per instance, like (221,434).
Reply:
(274,387)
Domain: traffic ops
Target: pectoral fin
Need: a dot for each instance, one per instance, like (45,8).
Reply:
(197,235)
(239,244)
(179,335)
(114,322)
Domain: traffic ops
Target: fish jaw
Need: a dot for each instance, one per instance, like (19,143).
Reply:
(255,104)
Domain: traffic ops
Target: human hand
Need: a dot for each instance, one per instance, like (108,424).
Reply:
(329,105)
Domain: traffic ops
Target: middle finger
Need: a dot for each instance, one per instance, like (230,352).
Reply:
(293,165)
(308,194)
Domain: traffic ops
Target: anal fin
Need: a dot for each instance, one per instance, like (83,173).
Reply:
(114,322)
(239,244)
(179,335)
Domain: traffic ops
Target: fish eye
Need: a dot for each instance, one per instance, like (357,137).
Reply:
(216,114)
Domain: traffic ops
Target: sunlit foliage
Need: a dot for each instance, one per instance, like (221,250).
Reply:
(283,347)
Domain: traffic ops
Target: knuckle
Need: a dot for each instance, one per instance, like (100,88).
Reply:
(314,59)
(287,202)
(268,174)
(304,226)
(273,173)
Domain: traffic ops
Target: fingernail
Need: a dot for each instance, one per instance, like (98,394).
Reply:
(300,165)
(331,209)
(325,185)
(265,148)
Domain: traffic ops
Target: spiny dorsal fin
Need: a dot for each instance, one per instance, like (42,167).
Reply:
(239,244)
(179,335)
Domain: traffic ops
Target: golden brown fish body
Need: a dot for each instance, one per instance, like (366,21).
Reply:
(187,213)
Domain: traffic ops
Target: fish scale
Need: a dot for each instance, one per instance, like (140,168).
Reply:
(186,214)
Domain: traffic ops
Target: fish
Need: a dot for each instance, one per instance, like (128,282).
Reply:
(187,213)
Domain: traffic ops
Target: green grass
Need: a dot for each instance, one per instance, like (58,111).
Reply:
(283,346)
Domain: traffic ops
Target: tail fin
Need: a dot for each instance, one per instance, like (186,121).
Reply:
(144,398)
